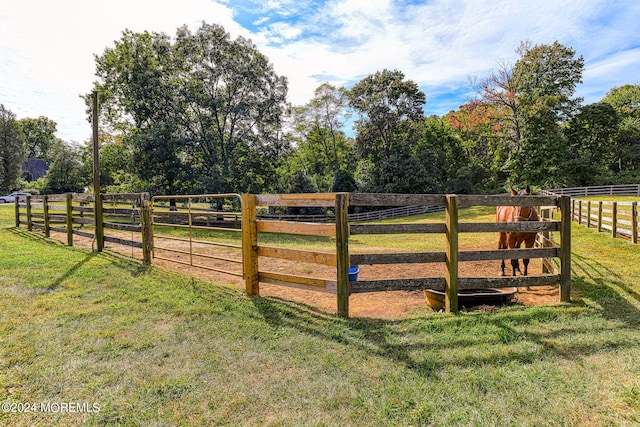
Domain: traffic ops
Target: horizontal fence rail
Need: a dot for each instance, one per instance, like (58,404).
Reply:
(603,190)
(618,218)
(376,215)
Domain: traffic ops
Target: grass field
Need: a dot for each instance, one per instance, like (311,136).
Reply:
(144,346)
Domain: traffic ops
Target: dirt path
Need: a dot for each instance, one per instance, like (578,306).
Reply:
(386,305)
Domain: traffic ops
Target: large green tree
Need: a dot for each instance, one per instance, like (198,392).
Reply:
(591,135)
(40,138)
(66,172)
(117,172)
(11,150)
(322,148)
(201,112)
(535,99)
(139,101)
(479,125)
(450,168)
(386,104)
(234,104)
(625,99)
(390,117)
(626,102)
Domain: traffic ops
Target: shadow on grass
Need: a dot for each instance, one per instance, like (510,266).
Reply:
(36,237)
(594,280)
(134,266)
(70,272)
(514,334)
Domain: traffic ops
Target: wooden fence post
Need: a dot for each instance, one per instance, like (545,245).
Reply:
(634,222)
(98,217)
(69,219)
(614,219)
(45,211)
(565,249)
(147,230)
(342,253)
(17,203)
(600,216)
(546,216)
(579,211)
(451,290)
(250,244)
(588,213)
(29,219)
(573,210)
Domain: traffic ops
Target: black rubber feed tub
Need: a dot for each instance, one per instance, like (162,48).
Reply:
(472,297)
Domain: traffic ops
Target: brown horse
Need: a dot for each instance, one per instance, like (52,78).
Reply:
(514,239)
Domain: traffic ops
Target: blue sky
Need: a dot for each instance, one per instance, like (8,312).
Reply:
(47,47)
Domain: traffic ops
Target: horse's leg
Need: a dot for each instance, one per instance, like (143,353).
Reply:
(515,265)
(514,243)
(502,244)
(528,243)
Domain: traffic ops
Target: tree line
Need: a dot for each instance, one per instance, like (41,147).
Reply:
(204,113)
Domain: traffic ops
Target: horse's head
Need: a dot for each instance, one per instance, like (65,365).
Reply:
(523,213)
(524,192)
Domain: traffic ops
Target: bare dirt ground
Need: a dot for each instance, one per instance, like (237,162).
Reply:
(385,305)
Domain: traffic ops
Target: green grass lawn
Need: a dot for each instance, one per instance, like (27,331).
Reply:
(153,347)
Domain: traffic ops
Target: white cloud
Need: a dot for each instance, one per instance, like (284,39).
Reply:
(441,44)
(606,73)
(280,32)
(47,47)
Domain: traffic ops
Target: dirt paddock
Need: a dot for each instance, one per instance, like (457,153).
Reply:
(384,305)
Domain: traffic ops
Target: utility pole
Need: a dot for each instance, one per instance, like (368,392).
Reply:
(97,211)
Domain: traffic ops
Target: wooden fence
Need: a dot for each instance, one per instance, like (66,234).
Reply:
(75,214)
(451,256)
(603,190)
(620,219)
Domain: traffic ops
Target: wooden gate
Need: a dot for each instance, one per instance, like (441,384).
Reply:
(202,230)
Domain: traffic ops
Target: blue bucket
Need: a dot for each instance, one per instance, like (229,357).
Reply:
(353,273)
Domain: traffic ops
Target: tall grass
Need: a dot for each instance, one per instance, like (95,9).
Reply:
(153,347)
